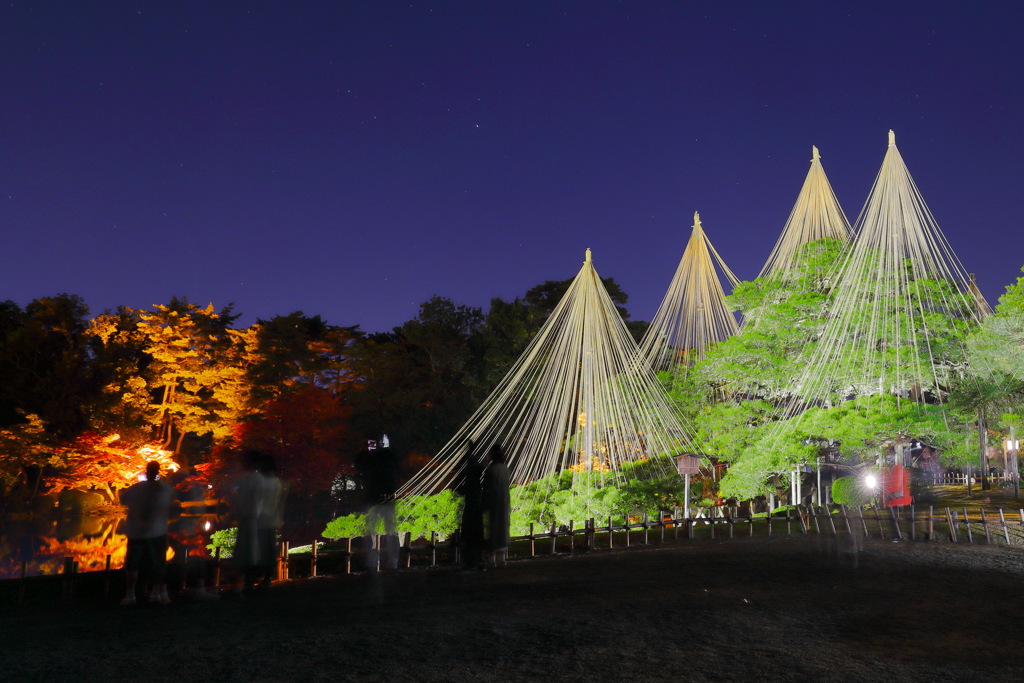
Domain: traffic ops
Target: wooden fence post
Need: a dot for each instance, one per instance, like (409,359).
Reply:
(554,537)
(216,568)
(984,525)
(533,543)
(897,534)
(878,522)
(348,555)
(1006,532)
(967,525)
(24,579)
(951,526)
(106,578)
(846,520)
(312,560)
(68,583)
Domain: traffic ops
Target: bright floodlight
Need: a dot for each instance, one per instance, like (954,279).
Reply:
(870,481)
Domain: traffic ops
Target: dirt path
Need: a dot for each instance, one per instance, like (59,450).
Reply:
(732,610)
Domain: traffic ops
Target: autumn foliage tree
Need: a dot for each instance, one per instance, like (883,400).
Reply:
(306,432)
(106,464)
(196,376)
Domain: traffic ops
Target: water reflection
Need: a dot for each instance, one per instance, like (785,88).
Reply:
(43,541)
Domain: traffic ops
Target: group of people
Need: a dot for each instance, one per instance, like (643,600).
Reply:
(257,505)
(487,509)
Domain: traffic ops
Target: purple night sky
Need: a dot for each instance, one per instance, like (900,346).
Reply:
(351,159)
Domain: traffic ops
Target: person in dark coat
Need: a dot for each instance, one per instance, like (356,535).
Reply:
(472,529)
(379,468)
(497,506)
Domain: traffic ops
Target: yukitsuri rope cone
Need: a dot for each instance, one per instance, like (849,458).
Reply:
(816,215)
(576,402)
(901,304)
(693,313)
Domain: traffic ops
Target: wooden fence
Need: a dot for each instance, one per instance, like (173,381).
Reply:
(345,556)
(900,524)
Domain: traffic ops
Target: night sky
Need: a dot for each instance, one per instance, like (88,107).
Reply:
(351,159)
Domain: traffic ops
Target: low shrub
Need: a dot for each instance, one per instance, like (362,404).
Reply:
(850,491)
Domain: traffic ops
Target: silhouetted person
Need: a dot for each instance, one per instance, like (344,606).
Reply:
(472,528)
(379,470)
(269,519)
(497,506)
(149,505)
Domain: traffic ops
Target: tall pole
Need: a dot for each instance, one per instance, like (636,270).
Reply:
(820,497)
(1013,453)
(982,449)
(686,497)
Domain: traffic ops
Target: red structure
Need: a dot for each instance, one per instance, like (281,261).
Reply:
(896,486)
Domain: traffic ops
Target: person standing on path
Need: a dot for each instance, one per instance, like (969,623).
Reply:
(472,527)
(247,504)
(497,506)
(149,506)
(270,519)
(379,470)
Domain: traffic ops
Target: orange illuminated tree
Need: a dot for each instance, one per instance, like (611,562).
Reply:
(105,463)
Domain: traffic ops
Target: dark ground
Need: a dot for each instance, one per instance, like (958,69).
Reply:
(779,608)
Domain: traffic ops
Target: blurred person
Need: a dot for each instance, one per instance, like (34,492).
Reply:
(248,504)
(149,506)
(270,518)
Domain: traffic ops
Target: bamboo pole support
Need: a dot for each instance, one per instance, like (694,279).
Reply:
(984,525)
(312,560)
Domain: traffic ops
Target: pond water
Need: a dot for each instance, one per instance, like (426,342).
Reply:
(42,542)
(42,539)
